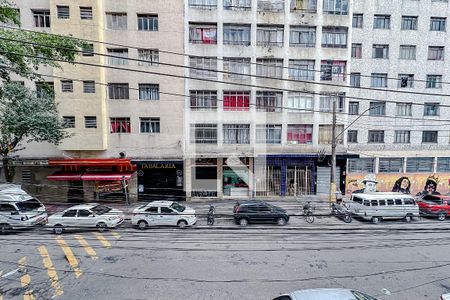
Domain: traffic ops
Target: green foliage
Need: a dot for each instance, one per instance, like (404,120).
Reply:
(26,117)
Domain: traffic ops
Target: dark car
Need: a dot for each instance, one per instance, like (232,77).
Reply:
(256,211)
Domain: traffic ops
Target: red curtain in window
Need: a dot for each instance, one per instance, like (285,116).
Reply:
(226,102)
(114,126)
(209,35)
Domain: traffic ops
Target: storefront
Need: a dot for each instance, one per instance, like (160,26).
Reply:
(204,177)
(236,176)
(160,180)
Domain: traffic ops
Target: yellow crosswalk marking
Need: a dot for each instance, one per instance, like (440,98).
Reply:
(102,239)
(86,246)
(25,279)
(115,234)
(48,264)
(69,255)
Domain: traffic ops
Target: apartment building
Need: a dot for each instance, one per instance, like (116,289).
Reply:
(121,121)
(262,78)
(401,49)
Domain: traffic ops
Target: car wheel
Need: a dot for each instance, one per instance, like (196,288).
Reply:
(408,218)
(4,228)
(182,224)
(101,226)
(243,222)
(347,218)
(281,221)
(142,224)
(376,220)
(58,229)
(441,216)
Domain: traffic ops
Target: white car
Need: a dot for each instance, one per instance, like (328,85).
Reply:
(445,297)
(325,294)
(90,215)
(164,213)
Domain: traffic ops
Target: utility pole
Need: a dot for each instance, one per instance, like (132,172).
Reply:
(333,154)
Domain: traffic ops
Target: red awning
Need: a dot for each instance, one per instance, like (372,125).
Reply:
(90,162)
(64,176)
(106,176)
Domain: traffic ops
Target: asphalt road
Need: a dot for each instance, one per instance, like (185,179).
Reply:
(407,261)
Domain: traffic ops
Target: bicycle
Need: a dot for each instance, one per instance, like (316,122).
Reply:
(308,212)
(211,218)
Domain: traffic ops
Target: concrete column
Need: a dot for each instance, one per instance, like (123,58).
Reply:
(188,164)
(220,177)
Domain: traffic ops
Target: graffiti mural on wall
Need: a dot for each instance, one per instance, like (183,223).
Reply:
(407,183)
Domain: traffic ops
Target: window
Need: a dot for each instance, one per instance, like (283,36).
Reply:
(208,64)
(150,125)
(269,67)
(63,12)
(377,108)
(206,4)
(268,101)
(203,100)
(120,125)
(402,137)
(301,69)
(148,91)
(236,133)
(376,136)
(409,23)
(204,133)
(333,70)
(85,13)
(352,136)
(302,36)
(269,35)
(237,4)
(88,86)
(405,80)
(378,80)
(116,21)
(326,131)
(84,213)
(326,102)
(304,5)
(299,133)
(431,109)
(430,137)
(236,100)
(69,121)
(437,23)
(70,213)
(380,51)
(356,50)
(88,50)
(147,22)
(334,37)
(357,21)
(299,102)
(443,164)
(66,86)
(404,109)
(335,7)
(353,108)
(435,53)
(45,89)
(407,52)
(434,81)
(419,164)
(268,134)
(148,57)
(203,33)
(236,65)
(355,79)
(118,91)
(360,165)
(118,56)
(236,34)
(270,5)
(41,18)
(90,122)
(382,22)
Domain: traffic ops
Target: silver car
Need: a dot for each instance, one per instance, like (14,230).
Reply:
(325,294)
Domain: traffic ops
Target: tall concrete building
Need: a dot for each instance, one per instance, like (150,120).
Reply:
(404,137)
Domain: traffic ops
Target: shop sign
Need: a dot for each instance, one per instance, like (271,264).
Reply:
(108,186)
(30,162)
(158,166)
(206,162)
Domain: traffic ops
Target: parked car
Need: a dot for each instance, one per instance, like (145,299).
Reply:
(325,294)
(256,211)
(163,213)
(435,206)
(18,209)
(445,297)
(91,215)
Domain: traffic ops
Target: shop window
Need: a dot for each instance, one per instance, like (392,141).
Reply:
(235,181)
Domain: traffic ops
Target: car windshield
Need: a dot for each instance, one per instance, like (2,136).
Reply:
(101,209)
(178,207)
(29,205)
(362,296)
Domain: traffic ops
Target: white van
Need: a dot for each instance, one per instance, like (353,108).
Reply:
(378,206)
(18,209)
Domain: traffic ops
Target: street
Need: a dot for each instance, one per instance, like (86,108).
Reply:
(392,260)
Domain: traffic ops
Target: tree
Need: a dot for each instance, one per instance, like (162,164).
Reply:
(26,116)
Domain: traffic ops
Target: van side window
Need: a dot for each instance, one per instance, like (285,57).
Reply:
(382,202)
(357,200)
(374,202)
(7,207)
(409,201)
(390,202)
(366,203)
(398,201)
